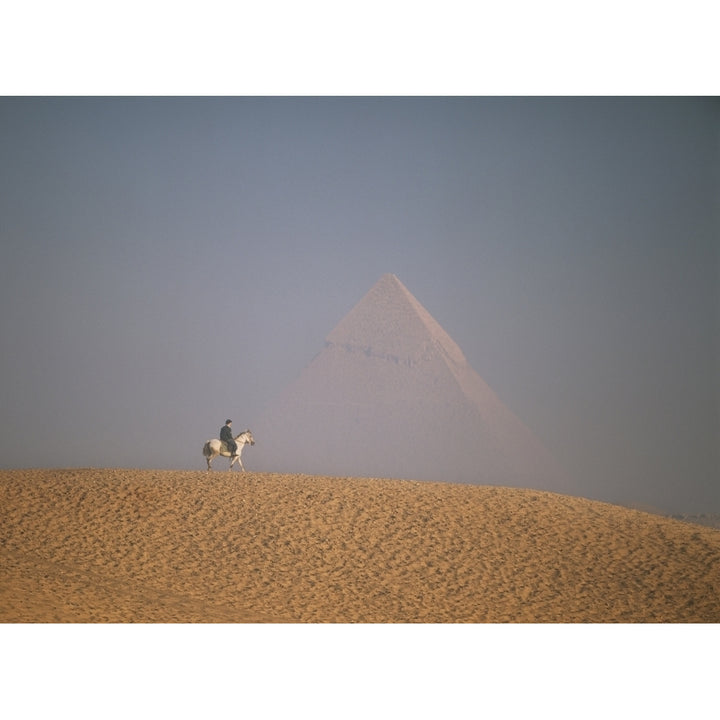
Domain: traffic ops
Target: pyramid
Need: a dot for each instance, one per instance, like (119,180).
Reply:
(392,395)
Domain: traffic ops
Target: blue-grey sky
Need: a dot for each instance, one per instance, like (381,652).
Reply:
(168,263)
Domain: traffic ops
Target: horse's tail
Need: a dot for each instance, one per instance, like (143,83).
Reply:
(206,449)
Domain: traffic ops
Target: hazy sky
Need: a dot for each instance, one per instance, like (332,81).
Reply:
(168,263)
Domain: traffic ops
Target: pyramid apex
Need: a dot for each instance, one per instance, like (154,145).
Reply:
(390,321)
(389,278)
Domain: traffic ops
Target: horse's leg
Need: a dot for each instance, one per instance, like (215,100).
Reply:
(242,467)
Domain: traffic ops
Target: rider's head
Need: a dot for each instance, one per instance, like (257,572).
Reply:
(228,422)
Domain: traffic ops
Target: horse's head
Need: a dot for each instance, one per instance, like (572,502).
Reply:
(249,436)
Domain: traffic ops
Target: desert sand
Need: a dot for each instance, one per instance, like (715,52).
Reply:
(121,546)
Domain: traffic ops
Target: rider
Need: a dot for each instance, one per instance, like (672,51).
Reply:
(227,436)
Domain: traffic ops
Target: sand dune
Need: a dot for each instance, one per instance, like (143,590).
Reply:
(90,545)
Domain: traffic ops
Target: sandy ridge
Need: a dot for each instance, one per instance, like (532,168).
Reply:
(122,545)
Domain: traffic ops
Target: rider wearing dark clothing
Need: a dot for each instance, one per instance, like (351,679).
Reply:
(227,436)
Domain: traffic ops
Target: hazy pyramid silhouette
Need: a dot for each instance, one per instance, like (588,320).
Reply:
(391,395)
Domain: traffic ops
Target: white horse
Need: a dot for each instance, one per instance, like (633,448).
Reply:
(215,447)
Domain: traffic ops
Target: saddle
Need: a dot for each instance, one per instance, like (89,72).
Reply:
(224,447)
